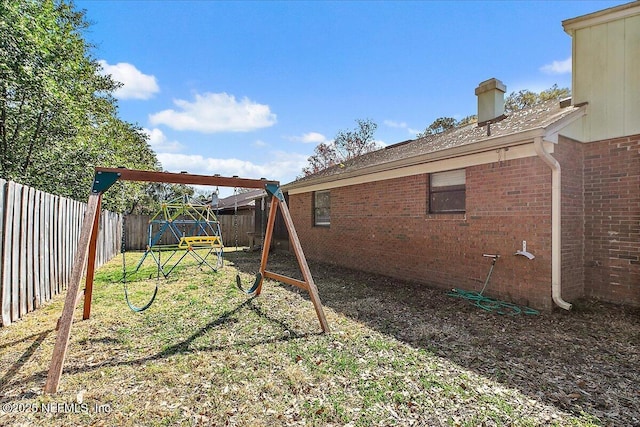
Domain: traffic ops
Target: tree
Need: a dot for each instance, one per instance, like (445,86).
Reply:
(347,145)
(354,143)
(323,157)
(439,125)
(467,120)
(519,100)
(150,199)
(525,98)
(58,117)
(443,124)
(515,101)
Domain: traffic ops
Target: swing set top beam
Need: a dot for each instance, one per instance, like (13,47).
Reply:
(105,177)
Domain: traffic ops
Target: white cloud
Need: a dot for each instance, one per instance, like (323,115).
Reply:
(310,138)
(557,67)
(394,124)
(216,112)
(260,143)
(283,166)
(136,85)
(160,143)
(401,125)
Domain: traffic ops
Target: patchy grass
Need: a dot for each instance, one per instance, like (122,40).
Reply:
(398,354)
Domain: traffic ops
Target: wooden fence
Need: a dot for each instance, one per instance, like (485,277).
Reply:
(39,235)
(245,225)
(137,231)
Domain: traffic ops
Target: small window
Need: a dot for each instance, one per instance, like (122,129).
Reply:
(447,192)
(322,208)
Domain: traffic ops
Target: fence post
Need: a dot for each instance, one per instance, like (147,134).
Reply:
(5,260)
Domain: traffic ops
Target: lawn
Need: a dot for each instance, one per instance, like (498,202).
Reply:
(398,354)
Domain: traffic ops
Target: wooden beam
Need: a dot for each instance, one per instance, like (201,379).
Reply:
(286,279)
(308,283)
(62,340)
(266,245)
(186,178)
(304,267)
(91,264)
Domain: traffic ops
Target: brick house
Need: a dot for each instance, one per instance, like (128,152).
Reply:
(564,177)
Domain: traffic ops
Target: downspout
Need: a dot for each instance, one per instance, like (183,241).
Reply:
(556,243)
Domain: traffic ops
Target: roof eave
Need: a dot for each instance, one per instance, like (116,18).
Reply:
(478,147)
(552,130)
(601,17)
(548,133)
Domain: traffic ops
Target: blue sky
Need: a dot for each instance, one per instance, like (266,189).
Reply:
(250,88)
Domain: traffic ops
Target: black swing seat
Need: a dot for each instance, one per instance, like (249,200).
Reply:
(144,307)
(253,288)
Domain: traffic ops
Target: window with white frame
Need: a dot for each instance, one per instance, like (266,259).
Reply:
(322,208)
(447,193)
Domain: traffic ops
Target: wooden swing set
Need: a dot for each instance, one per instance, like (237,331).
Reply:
(86,252)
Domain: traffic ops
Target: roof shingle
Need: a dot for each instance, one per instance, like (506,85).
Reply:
(539,116)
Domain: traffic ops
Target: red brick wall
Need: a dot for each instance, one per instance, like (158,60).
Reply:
(383,227)
(570,154)
(612,219)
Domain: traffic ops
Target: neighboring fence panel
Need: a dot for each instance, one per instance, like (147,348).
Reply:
(39,235)
(245,225)
(108,244)
(136,232)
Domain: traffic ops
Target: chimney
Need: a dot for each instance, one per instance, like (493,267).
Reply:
(490,100)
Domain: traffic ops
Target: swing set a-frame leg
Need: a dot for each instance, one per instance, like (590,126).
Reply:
(64,324)
(307,284)
(91,263)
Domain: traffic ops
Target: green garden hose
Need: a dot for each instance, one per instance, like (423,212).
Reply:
(491,304)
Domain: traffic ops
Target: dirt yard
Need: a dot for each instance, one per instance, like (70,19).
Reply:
(583,361)
(398,354)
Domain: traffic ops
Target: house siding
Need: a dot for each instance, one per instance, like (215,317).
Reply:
(605,74)
(612,220)
(384,227)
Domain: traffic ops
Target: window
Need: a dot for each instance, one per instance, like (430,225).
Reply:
(322,208)
(447,192)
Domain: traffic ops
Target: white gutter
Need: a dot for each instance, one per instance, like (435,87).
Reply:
(556,243)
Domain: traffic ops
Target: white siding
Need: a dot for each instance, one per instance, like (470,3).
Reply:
(606,60)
